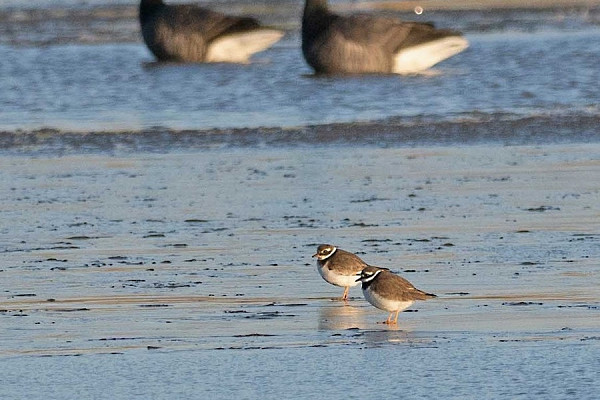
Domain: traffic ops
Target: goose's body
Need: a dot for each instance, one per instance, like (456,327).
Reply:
(188,33)
(357,44)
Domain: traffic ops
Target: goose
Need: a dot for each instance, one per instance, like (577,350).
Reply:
(189,33)
(362,44)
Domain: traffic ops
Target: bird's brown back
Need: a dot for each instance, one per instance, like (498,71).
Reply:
(396,287)
(345,263)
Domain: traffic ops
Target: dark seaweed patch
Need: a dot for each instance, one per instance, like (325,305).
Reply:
(268,315)
(154,305)
(369,200)
(171,285)
(154,235)
(588,306)
(63,247)
(214,230)
(111,339)
(61,355)
(254,335)
(457,293)
(542,209)
(363,225)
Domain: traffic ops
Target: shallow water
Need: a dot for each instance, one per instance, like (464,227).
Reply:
(450,370)
(87,70)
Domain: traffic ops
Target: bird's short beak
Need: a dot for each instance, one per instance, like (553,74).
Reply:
(359,278)
(314,255)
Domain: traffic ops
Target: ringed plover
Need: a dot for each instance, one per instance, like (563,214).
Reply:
(388,291)
(338,267)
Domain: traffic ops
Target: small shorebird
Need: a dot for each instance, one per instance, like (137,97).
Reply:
(362,44)
(188,33)
(388,291)
(338,267)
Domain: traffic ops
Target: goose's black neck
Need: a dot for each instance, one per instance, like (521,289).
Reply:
(315,19)
(149,7)
(310,6)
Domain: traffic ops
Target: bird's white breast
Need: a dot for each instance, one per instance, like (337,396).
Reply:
(335,278)
(383,303)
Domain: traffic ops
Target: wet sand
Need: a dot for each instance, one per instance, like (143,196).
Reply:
(211,250)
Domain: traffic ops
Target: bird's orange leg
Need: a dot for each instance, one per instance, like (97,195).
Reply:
(387,321)
(345,295)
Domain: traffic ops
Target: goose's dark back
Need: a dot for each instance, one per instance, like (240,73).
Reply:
(183,32)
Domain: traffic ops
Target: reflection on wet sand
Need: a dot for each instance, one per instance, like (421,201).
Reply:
(359,328)
(339,315)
